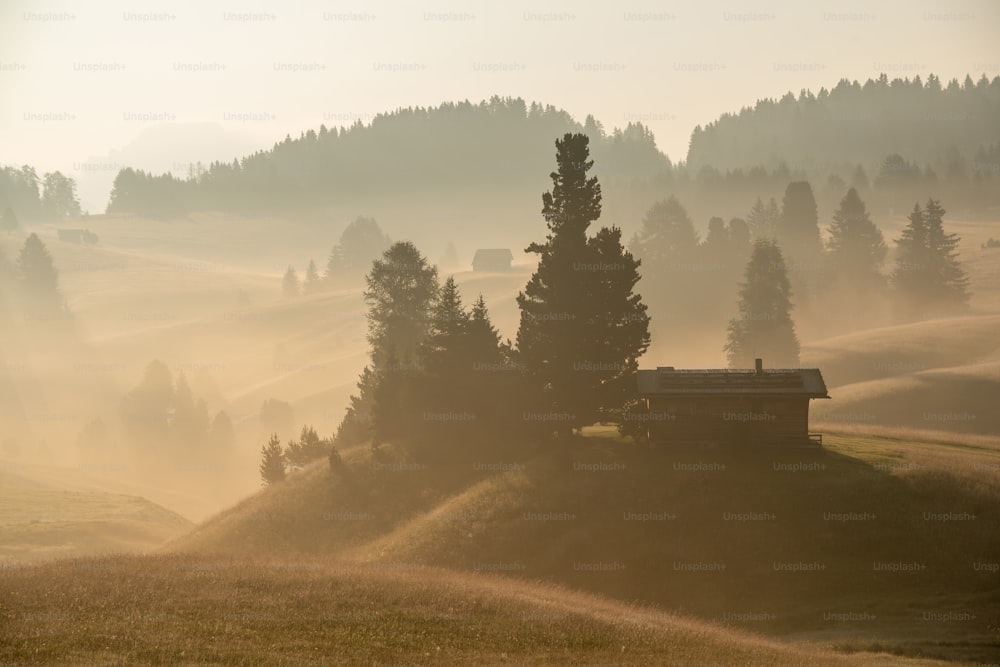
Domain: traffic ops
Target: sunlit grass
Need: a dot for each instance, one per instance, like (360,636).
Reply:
(179,610)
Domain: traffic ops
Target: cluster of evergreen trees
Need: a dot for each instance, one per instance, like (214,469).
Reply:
(440,374)
(275,461)
(943,125)
(30,285)
(842,278)
(168,425)
(361,242)
(364,161)
(27,197)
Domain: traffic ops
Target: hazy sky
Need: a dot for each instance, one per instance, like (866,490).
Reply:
(157,83)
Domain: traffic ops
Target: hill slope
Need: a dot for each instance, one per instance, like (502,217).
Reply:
(781,543)
(197,610)
(42,520)
(913,375)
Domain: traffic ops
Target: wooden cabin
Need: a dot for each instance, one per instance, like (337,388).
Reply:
(492,259)
(729,406)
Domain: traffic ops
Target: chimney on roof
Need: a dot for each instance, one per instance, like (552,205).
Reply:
(759,366)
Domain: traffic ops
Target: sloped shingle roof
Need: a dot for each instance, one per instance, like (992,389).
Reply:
(697,382)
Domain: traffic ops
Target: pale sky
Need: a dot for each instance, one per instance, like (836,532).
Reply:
(155,84)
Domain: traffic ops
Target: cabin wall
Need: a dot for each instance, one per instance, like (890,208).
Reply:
(727,418)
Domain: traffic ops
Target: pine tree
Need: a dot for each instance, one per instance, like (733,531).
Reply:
(442,387)
(146,410)
(485,348)
(912,259)
(401,288)
(8,222)
(361,242)
(190,417)
(856,246)
(493,393)
(290,284)
(272,461)
(797,229)
(37,275)
(313,282)
(392,408)
(666,236)
(581,326)
(763,219)
(59,196)
(928,277)
(222,434)
(950,284)
(448,326)
(356,426)
(763,327)
(308,447)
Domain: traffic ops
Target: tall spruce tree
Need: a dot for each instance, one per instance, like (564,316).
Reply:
(667,235)
(763,327)
(582,329)
(356,426)
(443,385)
(8,221)
(856,247)
(37,277)
(928,277)
(401,289)
(797,229)
(290,286)
(763,219)
(950,283)
(312,283)
(361,242)
(272,461)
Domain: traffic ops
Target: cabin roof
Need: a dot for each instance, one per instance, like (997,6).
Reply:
(493,255)
(668,381)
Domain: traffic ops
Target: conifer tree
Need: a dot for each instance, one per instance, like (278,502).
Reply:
(290,283)
(928,277)
(37,276)
(763,327)
(856,247)
(313,282)
(582,327)
(401,288)
(8,221)
(272,461)
(797,229)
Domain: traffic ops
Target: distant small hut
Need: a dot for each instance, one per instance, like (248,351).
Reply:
(492,259)
(77,236)
(729,406)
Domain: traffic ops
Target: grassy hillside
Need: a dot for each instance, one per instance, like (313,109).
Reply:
(937,375)
(861,544)
(187,610)
(43,519)
(876,354)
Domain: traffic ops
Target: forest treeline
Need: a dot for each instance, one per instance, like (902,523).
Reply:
(947,127)
(892,140)
(885,138)
(496,144)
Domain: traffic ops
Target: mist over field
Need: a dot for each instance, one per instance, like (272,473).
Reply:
(484,335)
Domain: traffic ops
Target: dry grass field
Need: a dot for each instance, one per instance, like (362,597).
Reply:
(200,610)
